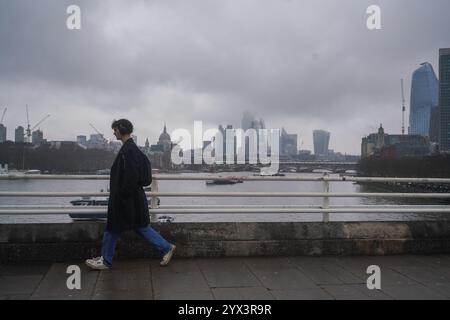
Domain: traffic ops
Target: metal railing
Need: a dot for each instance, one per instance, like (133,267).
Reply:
(325,208)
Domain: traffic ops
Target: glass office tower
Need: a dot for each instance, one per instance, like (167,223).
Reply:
(321,139)
(444,98)
(424,98)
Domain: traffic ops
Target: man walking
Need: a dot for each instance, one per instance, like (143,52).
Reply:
(127,205)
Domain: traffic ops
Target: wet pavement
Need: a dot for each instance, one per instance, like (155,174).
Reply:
(247,278)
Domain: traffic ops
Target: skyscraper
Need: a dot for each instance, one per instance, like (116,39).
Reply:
(37,137)
(444,98)
(424,98)
(250,122)
(288,143)
(435,124)
(247,121)
(82,140)
(2,133)
(19,134)
(321,140)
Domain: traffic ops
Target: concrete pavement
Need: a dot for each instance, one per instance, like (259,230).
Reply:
(265,278)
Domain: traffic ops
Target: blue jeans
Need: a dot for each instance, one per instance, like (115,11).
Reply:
(110,240)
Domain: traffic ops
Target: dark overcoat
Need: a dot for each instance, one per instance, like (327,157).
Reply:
(127,204)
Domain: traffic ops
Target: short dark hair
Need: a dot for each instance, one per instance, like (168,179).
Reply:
(123,125)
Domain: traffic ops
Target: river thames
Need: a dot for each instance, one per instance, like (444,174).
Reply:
(200,186)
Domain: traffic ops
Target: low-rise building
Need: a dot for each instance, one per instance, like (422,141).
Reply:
(385,145)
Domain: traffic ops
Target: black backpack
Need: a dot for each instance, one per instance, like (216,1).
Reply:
(145,171)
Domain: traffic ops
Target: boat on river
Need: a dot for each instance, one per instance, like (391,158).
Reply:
(223,182)
(95,202)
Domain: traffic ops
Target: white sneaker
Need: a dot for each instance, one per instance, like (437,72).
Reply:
(97,264)
(166,258)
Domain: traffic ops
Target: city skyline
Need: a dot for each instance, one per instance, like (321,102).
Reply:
(249,121)
(288,142)
(287,62)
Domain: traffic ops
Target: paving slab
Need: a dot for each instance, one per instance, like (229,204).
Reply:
(343,274)
(318,274)
(54,284)
(271,264)
(132,265)
(227,273)
(413,292)
(424,274)
(15,297)
(185,295)
(262,278)
(167,284)
(441,288)
(285,279)
(123,281)
(132,294)
(17,285)
(178,266)
(247,293)
(345,292)
(373,294)
(27,270)
(302,294)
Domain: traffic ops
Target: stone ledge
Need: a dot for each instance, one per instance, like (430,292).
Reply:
(61,252)
(77,241)
(227,231)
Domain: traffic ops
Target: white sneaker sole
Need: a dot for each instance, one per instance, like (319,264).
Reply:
(169,256)
(97,267)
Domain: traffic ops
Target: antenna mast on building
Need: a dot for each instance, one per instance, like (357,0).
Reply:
(403,108)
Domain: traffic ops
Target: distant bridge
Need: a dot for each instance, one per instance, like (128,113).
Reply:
(332,163)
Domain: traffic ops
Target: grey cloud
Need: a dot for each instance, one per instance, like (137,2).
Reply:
(301,64)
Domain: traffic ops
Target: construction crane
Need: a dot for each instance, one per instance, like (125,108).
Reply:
(95,129)
(28,132)
(29,129)
(43,119)
(3,116)
(98,132)
(403,108)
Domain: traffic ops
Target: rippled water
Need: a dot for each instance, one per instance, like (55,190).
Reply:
(200,186)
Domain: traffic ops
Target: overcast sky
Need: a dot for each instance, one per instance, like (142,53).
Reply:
(302,65)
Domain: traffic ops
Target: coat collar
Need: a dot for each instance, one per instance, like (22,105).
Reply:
(126,144)
(129,140)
